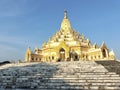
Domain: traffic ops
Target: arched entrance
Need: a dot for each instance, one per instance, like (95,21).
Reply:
(62,54)
(104,53)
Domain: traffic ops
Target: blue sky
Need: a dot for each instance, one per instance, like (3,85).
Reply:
(25,23)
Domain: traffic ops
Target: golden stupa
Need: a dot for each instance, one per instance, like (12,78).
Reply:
(68,45)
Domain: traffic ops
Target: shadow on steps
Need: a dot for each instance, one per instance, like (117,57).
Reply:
(111,65)
(33,77)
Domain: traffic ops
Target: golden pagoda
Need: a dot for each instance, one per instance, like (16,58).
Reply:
(68,45)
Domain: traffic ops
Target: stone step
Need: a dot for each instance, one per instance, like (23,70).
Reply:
(78,73)
(63,77)
(56,68)
(88,73)
(82,75)
(81,71)
(83,87)
(49,80)
(87,78)
(72,81)
(68,88)
(102,88)
(75,86)
(79,80)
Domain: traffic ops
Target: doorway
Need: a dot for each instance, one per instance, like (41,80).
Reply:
(62,54)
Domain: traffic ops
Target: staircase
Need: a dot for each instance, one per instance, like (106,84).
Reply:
(79,75)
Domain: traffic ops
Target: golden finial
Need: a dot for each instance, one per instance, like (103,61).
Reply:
(65,14)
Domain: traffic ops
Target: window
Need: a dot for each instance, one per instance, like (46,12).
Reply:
(76,57)
(52,57)
(99,56)
(91,57)
(49,57)
(104,53)
(32,59)
(95,57)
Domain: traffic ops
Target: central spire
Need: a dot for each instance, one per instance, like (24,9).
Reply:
(65,25)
